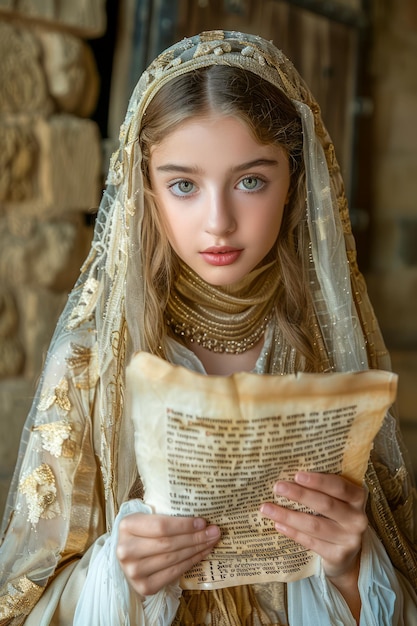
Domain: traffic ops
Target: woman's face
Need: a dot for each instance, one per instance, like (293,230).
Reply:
(221,195)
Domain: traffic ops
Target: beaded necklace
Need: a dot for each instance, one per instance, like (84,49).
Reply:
(223,319)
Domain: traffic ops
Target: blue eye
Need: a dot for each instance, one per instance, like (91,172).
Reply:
(182,188)
(250,183)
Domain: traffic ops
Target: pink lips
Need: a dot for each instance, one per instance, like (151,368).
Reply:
(222,255)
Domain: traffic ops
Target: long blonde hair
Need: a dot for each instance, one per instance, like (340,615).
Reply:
(272,118)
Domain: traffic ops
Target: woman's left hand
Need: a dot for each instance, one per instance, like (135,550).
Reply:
(336,532)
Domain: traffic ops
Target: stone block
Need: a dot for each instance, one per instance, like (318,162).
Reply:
(35,8)
(70,167)
(71,72)
(39,312)
(49,166)
(85,18)
(23,86)
(4,490)
(18,162)
(11,349)
(37,253)
(16,396)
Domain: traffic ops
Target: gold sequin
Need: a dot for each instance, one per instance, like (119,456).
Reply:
(54,436)
(40,491)
(209,47)
(58,396)
(21,597)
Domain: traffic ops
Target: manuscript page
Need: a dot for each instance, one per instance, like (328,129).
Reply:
(213,446)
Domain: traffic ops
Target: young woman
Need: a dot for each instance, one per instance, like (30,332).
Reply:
(223,244)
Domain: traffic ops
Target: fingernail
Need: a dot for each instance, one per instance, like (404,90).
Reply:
(302,477)
(199,523)
(212,532)
(266,509)
(280,488)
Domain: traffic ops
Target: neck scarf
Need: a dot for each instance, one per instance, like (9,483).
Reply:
(223,319)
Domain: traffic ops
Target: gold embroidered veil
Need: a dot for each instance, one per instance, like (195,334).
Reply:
(104,309)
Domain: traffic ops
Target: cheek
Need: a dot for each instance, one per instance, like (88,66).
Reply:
(271,225)
(167,218)
(177,228)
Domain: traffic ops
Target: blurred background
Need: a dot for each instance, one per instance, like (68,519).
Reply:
(67,68)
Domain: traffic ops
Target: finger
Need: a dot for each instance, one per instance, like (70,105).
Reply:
(153,564)
(323,502)
(153,582)
(297,525)
(324,537)
(333,485)
(138,547)
(144,525)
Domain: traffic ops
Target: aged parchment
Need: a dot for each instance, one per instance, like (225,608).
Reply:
(213,446)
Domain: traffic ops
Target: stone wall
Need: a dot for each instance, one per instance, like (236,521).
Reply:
(50,178)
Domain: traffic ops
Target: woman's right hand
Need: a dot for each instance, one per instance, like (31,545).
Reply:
(155,550)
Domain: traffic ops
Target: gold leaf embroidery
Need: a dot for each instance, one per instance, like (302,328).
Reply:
(85,304)
(40,491)
(80,356)
(61,392)
(59,396)
(54,436)
(84,363)
(21,597)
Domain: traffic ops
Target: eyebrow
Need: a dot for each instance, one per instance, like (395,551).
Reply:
(173,167)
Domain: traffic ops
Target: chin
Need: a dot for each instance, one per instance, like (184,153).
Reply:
(226,280)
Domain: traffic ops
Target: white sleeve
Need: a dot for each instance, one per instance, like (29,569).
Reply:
(107,598)
(387,600)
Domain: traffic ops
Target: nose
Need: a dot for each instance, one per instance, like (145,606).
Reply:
(220,214)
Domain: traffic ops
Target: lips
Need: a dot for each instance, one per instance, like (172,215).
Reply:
(222,255)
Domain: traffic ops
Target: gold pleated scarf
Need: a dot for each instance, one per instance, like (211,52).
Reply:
(223,319)
(232,606)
